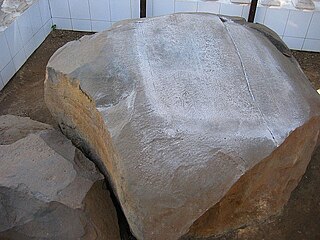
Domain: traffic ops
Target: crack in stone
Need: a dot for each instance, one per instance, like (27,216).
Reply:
(248,84)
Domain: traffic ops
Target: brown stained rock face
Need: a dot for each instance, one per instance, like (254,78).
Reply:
(201,124)
(48,188)
(259,193)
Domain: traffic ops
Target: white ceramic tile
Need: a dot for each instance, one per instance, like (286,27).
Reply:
(47,28)
(298,23)
(38,38)
(276,19)
(245,12)
(120,10)
(135,8)
(59,8)
(45,11)
(25,26)
(311,45)
(8,72)
(100,10)
(19,59)
(185,6)
(314,28)
(79,9)
(1,83)
(35,17)
(162,7)
(34,43)
(293,43)
(81,25)
(62,23)
(231,9)
(149,8)
(260,14)
(98,26)
(5,56)
(211,7)
(13,37)
(29,48)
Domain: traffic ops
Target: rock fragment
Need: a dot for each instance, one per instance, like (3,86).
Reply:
(48,188)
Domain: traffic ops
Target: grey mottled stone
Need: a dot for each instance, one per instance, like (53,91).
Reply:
(48,188)
(179,111)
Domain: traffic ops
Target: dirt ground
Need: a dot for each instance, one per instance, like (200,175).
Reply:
(23,96)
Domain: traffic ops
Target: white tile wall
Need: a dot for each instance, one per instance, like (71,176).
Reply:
(60,8)
(47,27)
(79,9)
(260,14)
(120,10)
(81,25)
(98,26)
(149,8)
(276,19)
(1,83)
(311,45)
(299,29)
(22,37)
(5,56)
(314,28)
(162,7)
(231,9)
(211,7)
(45,11)
(293,42)
(13,37)
(35,17)
(7,72)
(25,26)
(245,12)
(186,6)
(19,59)
(100,10)
(135,9)
(62,23)
(298,23)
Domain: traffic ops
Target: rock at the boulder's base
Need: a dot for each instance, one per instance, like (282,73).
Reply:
(48,188)
(188,114)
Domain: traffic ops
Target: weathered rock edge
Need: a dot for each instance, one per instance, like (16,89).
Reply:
(48,188)
(264,189)
(75,110)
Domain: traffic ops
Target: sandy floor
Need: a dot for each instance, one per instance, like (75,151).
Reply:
(23,96)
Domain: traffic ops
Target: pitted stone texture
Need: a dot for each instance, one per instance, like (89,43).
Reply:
(177,109)
(48,188)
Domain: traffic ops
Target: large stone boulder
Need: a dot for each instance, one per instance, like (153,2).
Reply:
(48,188)
(201,124)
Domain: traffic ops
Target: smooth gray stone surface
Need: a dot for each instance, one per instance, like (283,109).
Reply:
(190,102)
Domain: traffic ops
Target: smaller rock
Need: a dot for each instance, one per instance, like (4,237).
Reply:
(241,1)
(48,188)
(270,2)
(303,4)
(12,6)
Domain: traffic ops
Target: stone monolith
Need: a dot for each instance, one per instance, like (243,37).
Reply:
(201,124)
